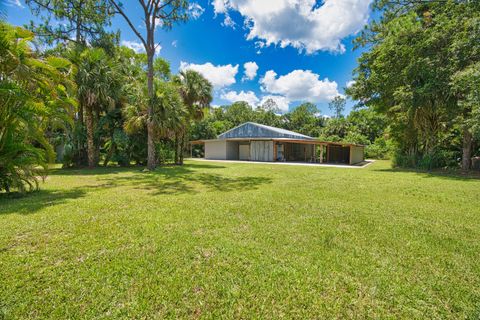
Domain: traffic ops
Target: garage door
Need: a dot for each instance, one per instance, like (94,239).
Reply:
(244,152)
(261,151)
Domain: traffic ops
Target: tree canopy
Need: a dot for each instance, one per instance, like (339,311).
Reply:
(418,54)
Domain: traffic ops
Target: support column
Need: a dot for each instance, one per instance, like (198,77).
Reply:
(274,151)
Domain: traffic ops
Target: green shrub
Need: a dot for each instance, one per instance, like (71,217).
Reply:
(380,149)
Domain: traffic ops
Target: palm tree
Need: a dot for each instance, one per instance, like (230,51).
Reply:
(196,92)
(33,93)
(97,88)
(168,112)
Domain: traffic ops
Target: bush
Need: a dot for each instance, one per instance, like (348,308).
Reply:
(437,159)
(165,152)
(380,149)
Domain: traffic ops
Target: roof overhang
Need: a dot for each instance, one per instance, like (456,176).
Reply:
(286,140)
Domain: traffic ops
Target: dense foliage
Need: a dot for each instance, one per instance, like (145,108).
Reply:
(362,126)
(92,101)
(34,99)
(421,71)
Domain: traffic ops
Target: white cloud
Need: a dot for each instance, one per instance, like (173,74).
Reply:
(219,76)
(228,22)
(174,43)
(219,6)
(248,97)
(300,85)
(350,83)
(251,69)
(15,3)
(302,24)
(134,45)
(282,102)
(195,10)
(158,22)
(138,46)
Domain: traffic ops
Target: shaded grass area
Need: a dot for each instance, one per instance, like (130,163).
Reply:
(222,240)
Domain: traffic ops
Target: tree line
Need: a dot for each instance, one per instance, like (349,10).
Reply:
(362,126)
(73,89)
(421,69)
(69,92)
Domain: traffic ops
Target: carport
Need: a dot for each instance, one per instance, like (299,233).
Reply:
(255,142)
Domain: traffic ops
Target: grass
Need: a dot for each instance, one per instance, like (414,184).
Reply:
(223,240)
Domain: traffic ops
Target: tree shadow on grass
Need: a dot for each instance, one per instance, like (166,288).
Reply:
(91,172)
(166,180)
(443,174)
(183,179)
(116,169)
(33,201)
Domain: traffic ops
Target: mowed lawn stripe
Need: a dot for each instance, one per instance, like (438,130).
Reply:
(230,240)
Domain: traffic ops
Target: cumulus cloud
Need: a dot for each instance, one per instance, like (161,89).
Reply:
(282,102)
(228,22)
(135,46)
(302,24)
(248,96)
(300,85)
(219,76)
(251,69)
(138,46)
(219,6)
(195,10)
(350,83)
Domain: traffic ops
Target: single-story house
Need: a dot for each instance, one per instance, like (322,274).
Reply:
(257,142)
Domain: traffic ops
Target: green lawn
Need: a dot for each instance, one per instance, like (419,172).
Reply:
(220,240)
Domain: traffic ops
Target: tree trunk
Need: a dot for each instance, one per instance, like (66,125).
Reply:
(79,157)
(151,161)
(90,143)
(95,141)
(176,148)
(467,150)
(182,147)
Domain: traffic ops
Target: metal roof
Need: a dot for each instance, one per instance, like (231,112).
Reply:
(256,130)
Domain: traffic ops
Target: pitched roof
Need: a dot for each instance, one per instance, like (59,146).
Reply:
(256,130)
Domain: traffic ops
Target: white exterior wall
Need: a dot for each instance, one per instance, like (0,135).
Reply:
(356,154)
(216,150)
(244,151)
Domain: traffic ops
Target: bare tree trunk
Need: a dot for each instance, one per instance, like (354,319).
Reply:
(95,141)
(182,147)
(80,113)
(151,163)
(467,150)
(78,133)
(176,148)
(90,143)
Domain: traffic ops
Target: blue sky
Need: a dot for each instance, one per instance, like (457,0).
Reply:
(296,50)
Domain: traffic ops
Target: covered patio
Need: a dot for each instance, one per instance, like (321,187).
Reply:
(281,150)
(256,142)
